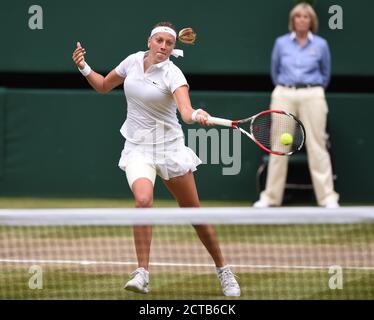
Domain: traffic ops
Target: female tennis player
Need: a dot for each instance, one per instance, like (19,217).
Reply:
(155,88)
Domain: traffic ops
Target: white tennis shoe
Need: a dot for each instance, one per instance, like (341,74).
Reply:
(139,281)
(230,286)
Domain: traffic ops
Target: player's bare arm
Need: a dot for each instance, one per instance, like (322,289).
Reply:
(182,99)
(100,83)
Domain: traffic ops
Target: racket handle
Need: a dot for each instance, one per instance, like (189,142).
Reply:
(221,122)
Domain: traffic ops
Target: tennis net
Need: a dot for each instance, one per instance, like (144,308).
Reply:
(276,253)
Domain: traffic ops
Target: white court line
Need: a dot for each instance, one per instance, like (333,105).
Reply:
(170,264)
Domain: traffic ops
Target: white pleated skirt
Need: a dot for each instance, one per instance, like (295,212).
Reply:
(170,159)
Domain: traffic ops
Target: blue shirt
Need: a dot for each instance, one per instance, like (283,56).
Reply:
(293,65)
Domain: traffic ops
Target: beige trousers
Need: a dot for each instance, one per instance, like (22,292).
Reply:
(310,106)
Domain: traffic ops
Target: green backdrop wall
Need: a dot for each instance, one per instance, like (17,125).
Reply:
(67,143)
(234,37)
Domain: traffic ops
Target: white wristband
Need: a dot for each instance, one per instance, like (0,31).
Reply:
(86,70)
(194,114)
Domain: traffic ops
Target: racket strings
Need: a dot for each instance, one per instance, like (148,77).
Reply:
(268,128)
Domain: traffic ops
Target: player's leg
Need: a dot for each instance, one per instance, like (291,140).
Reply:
(141,179)
(183,188)
(142,189)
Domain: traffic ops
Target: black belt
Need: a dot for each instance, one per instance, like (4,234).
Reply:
(300,86)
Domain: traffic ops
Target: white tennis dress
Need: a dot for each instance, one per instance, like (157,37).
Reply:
(152,131)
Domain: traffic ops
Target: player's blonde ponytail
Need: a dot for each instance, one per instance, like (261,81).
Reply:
(187,36)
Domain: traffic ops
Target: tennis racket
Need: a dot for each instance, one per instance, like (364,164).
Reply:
(275,131)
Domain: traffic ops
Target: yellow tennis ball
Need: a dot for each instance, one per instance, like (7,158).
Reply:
(286,138)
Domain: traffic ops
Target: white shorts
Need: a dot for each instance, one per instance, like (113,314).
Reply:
(169,160)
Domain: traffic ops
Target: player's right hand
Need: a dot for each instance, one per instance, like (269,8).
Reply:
(78,56)
(202,118)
